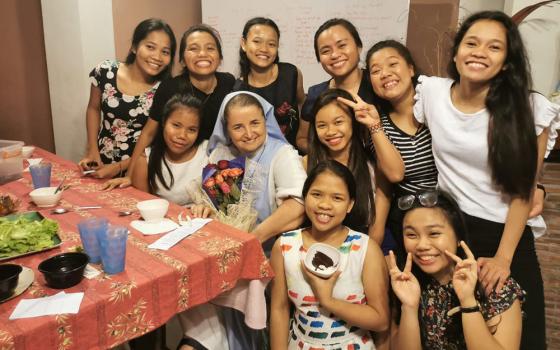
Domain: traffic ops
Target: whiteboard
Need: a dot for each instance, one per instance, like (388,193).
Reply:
(298,20)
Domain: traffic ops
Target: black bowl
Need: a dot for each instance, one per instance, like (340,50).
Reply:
(9,276)
(64,270)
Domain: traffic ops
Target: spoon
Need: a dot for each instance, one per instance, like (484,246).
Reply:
(64,210)
(125,212)
(60,185)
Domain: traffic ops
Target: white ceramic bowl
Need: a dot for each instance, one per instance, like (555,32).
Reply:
(322,259)
(153,210)
(27,151)
(45,197)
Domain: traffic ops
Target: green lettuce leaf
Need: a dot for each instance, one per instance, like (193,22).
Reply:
(25,235)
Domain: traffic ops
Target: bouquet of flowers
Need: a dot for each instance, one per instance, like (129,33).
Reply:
(223,182)
(226,187)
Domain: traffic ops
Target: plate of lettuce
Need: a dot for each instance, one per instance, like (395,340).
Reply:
(27,233)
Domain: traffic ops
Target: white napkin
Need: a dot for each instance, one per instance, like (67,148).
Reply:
(33,161)
(174,237)
(154,228)
(57,304)
(91,272)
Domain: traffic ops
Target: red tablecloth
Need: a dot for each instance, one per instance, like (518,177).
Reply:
(155,284)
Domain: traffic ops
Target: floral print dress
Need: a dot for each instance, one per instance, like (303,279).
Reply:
(442,329)
(122,116)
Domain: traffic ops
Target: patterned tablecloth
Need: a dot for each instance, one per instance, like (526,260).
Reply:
(155,284)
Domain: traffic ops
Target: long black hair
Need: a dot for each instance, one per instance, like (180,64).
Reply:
(158,146)
(363,212)
(346,24)
(142,30)
(403,51)
(511,132)
(244,64)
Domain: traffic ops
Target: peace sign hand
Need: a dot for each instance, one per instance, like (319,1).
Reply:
(465,274)
(404,284)
(365,113)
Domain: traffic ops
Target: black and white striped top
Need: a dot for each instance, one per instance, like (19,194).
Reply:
(420,172)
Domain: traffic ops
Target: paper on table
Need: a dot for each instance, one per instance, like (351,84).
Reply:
(91,272)
(57,304)
(175,236)
(33,161)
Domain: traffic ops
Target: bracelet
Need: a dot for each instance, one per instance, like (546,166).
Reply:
(375,128)
(541,186)
(468,310)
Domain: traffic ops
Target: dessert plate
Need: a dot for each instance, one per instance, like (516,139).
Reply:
(322,259)
(154,228)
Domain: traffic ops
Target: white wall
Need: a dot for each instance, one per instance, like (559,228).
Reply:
(298,20)
(78,35)
(467,7)
(541,35)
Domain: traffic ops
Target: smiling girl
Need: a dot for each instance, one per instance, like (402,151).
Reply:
(338,45)
(441,304)
(489,137)
(177,154)
(279,83)
(393,76)
(121,97)
(335,135)
(200,53)
(337,312)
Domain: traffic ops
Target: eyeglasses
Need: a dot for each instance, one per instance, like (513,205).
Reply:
(426,199)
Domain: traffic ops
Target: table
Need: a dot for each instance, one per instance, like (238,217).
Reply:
(155,284)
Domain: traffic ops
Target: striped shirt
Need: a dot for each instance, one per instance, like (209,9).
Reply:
(420,172)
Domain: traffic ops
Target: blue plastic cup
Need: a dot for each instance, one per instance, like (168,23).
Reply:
(113,249)
(41,175)
(90,231)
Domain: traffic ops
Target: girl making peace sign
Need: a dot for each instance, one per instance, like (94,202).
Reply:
(441,303)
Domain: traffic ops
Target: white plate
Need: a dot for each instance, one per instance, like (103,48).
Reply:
(320,270)
(154,228)
(26,277)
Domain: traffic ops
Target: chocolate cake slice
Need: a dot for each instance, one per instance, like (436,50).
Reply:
(321,261)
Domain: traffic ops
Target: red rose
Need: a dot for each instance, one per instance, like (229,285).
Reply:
(223,164)
(225,187)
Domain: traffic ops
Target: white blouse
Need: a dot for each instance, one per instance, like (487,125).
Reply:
(460,147)
(183,174)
